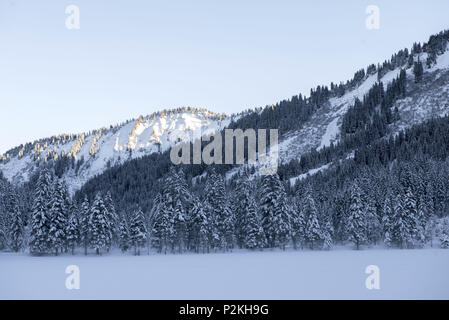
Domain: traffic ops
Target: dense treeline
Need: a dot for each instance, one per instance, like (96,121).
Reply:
(365,122)
(394,190)
(403,205)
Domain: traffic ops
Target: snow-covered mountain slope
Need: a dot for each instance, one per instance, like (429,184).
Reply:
(94,152)
(425,100)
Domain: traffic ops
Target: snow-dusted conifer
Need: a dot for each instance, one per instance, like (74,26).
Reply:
(112,220)
(356,224)
(58,219)
(312,229)
(84,226)
(138,231)
(16,230)
(73,232)
(98,225)
(40,222)
(125,241)
(199,227)
(275,212)
(387,216)
(252,229)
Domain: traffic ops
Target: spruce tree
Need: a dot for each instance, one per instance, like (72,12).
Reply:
(113,221)
(356,224)
(58,219)
(199,227)
(401,224)
(387,216)
(254,236)
(40,220)
(221,217)
(73,232)
(162,223)
(180,227)
(16,231)
(312,229)
(243,192)
(138,231)
(84,221)
(124,236)
(275,212)
(418,71)
(98,225)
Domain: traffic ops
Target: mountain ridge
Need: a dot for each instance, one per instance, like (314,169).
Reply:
(91,154)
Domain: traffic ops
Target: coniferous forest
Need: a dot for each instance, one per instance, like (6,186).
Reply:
(380,188)
(397,199)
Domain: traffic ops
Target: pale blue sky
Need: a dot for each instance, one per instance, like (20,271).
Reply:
(135,57)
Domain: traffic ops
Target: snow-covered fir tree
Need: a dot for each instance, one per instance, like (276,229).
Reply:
(99,232)
(221,217)
(387,216)
(113,221)
(84,224)
(242,197)
(16,229)
(73,232)
(401,224)
(199,227)
(40,219)
(312,229)
(180,235)
(138,231)
(442,231)
(373,225)
(58,219)
(356,223)
(125,241)
(252,228)
(162,227)
(275,212)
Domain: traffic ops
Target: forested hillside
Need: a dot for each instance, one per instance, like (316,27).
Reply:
(376,177)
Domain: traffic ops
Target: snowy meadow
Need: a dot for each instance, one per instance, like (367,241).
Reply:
(337,274)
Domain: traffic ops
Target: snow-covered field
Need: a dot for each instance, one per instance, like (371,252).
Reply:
(337,274)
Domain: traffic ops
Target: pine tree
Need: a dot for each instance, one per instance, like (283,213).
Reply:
(373,226)
(112,220)
(98,225)
(430,229)
(138,231)
(401,224)
(418,71)
(16,232)
(58,219)
(40,222)
(124,236)
(327,235)
(85,224)
(356,224)
(221,217)
(199,227)
(180,227)
(312,229)
(443,233)
(162,225)
(275,212)
(73,232)
(253,231)
(242,200)
(387,216)
(298,223)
